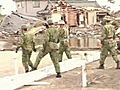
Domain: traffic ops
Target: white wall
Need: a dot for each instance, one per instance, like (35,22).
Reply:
(28,9)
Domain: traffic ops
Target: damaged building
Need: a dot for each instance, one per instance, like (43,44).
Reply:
(78,13)
(74,12)
(82,16)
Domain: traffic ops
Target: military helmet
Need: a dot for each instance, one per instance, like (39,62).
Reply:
(107,18)
(50,21)
(61,22)
(23,26)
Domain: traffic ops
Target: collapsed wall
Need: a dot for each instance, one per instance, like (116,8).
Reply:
(9,28)
(11,24)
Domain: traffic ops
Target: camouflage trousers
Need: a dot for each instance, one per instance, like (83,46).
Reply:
(26,54)
(66,49)
(54,57)
(104,53)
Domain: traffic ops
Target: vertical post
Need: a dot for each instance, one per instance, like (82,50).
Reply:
(16,64)
(16,67)
(84,78)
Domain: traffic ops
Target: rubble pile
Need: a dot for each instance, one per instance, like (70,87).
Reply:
(90,31)
(11,24)
(10,30)
(85,38)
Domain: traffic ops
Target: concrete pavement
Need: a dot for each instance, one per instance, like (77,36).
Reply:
(106,79)
(13,82)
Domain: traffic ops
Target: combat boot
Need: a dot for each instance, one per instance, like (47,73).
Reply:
(101,66)
(26,71)
(118,65)
(58,75)
(34,68)
(60,61)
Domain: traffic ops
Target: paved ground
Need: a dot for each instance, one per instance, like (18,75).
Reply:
(8,58)
(107,79)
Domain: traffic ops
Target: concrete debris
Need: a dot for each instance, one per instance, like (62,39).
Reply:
(10,29)
(11,24)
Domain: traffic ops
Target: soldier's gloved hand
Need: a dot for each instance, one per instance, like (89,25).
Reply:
(34,50)
(16,50)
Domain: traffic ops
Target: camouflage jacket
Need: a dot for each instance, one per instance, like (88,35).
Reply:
(108,33)
(62,34)
(53,38)
(26,42)
(63,37)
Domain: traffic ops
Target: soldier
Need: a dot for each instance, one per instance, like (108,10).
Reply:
(50,46)
(108,43)
(116,25)
(63,41)
(27,45)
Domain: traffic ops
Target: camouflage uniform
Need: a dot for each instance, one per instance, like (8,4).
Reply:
(63,44)
(109,44)
(116,25)
(50,46)
(27,45)
(29,26)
